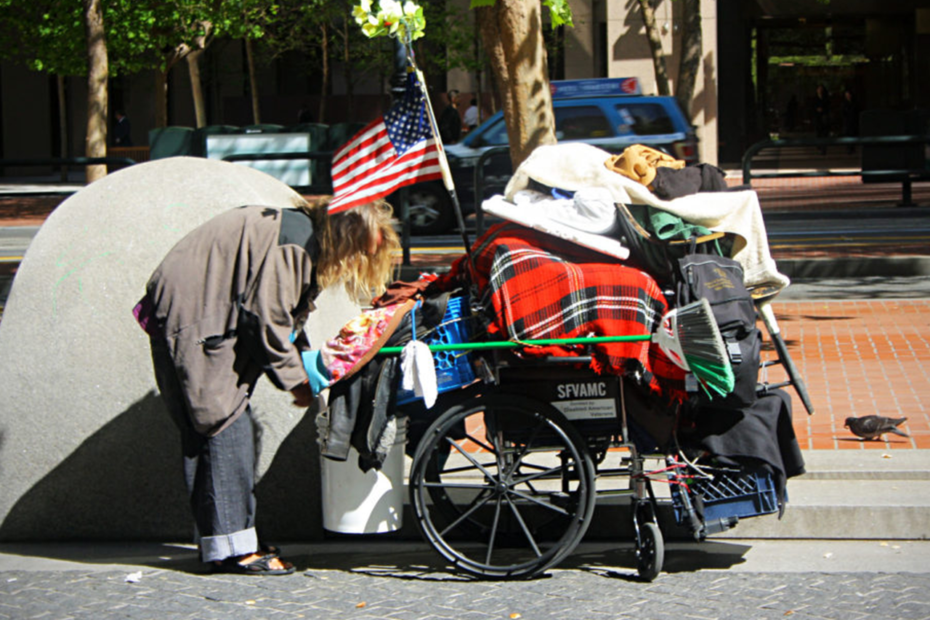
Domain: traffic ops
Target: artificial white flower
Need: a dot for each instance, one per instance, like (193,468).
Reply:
(390,7)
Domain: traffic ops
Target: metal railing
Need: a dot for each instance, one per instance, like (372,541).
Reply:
(66,161)
(905,176)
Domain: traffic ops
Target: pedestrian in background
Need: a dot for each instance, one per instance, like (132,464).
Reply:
(450,123)
(471,115)
(226,305)
(821,113)
(122,130)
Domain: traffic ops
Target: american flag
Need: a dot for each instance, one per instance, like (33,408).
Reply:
(391,152)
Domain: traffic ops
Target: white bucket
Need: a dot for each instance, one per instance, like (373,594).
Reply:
(372,502)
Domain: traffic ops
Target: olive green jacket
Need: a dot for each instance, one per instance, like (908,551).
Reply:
(227,299)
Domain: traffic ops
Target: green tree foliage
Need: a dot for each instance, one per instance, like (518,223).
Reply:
(48,35)
(321,32)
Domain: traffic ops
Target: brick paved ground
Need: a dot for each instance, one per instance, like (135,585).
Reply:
(859,358)
(410,594)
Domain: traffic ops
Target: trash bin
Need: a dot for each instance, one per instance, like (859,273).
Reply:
(319,169)
(170,142)
(199,140)
(372,502)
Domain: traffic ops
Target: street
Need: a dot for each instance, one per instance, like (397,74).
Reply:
(742,580)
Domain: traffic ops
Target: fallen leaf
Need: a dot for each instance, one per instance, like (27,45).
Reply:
(360,605)
(789,612)
(882,544)
(514,616)
(885,455)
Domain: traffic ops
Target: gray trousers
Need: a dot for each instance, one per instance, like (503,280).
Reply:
(219,471)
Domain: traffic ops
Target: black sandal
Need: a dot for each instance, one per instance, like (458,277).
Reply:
(260,566)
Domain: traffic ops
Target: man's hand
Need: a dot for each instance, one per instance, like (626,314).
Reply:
(303,394)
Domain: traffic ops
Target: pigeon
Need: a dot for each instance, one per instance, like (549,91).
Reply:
(874,426)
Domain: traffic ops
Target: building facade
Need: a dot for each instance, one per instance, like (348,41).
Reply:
(757,56)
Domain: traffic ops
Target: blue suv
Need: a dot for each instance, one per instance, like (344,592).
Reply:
(608,113)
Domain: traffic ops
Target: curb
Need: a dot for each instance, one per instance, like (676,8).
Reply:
(850,267)
(794,268)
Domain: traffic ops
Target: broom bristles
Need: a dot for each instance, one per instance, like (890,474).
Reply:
(702,347)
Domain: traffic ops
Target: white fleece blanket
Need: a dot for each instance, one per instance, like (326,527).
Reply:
(587,219)
(575,165)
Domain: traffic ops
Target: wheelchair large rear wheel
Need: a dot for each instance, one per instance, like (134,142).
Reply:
(502,486)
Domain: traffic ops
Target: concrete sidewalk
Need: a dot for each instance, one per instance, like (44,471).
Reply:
(849,513)
(861,342)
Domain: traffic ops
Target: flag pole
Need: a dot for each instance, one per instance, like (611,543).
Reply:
(443,162)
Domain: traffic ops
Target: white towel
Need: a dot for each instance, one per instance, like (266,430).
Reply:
(419,371)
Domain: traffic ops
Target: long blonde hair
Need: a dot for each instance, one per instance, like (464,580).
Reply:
(346,239)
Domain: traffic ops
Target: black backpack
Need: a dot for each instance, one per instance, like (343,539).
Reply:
(720,281)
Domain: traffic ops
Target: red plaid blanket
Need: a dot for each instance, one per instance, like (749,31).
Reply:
(538,286)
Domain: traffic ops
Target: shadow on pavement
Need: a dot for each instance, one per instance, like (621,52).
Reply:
(395,560)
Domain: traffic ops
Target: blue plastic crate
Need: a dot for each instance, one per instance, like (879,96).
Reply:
(729,494)
(453,368)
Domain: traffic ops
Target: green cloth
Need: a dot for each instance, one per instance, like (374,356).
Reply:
(669,227)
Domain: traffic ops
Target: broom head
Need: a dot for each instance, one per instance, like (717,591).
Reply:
(689,336)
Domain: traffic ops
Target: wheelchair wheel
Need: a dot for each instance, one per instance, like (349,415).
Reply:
(650,551)
(502,487)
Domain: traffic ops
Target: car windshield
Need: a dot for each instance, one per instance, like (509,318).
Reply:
(581,122)
(495,134)
(643,119)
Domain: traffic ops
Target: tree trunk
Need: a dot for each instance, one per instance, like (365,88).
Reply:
(172,57)
(97,72)
(161,98)
(512,34)
(350,82)
(691,52)
(479,94)
(655,44)
(253,83)
(193,69)
(62,123)
(325,87)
